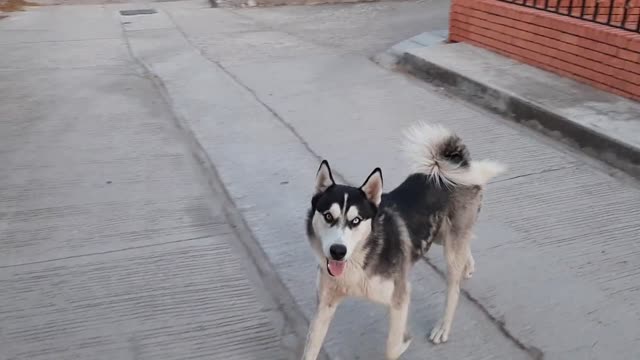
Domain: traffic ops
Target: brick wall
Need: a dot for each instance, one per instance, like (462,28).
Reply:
(603,56)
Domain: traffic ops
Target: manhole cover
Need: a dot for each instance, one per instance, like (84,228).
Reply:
(137,12)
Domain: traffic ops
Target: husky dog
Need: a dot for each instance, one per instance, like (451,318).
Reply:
(366,241)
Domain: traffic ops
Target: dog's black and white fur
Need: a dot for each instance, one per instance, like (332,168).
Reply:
(367,241)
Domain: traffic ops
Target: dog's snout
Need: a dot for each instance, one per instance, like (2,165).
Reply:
(338,251)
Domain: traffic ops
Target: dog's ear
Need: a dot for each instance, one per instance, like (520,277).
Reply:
(324,178)
(372,187)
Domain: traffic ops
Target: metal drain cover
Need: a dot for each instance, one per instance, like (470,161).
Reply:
(137,12)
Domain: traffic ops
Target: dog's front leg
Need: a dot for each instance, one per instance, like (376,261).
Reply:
(399,338)
(327,304)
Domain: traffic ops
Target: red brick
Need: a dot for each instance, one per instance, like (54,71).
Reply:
(587,52)
(558,49)
(580,27)
(634,45)
(616,39)
(608,49)
(632,67)
(627,76)
(629,55)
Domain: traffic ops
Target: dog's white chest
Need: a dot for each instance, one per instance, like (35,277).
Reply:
(376,289)
(379,290)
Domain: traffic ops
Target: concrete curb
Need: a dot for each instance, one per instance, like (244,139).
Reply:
(281,306)
(515,107)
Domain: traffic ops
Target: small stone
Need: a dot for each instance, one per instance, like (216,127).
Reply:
(252,3)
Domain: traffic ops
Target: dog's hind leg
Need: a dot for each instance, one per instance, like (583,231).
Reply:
(399,339)
(456,252)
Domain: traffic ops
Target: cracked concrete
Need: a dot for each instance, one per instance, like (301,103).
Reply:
(306,92)
(116,242)
(227,143)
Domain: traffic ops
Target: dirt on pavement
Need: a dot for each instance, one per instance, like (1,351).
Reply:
(14,5)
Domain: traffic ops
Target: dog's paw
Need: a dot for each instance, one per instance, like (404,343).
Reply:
(469,268)
(468,273)
(394,354)
(440,333)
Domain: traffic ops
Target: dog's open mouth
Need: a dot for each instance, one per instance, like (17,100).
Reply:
(335,268)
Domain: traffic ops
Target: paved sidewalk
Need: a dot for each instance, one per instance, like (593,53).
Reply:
(264,94)
(271,91)
(600,123)
(112,243)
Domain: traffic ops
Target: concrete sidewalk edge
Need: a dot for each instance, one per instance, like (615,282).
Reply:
(279,302)
(622,155)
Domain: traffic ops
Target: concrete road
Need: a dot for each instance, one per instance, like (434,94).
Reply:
(262,95)
(115,242)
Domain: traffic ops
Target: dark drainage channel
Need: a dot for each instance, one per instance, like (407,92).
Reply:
(137,12)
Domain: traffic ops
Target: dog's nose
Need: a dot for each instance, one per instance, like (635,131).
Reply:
(338,251)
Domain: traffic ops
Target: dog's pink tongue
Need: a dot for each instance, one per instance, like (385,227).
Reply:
(336,267)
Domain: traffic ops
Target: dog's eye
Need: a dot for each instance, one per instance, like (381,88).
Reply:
(356,221)
(328,217)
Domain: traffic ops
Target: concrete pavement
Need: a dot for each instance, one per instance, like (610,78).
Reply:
(113,242)
(262,95)
(557,244)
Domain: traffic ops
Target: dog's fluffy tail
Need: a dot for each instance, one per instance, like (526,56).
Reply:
(440,154)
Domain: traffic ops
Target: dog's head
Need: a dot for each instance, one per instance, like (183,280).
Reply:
(341,216)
